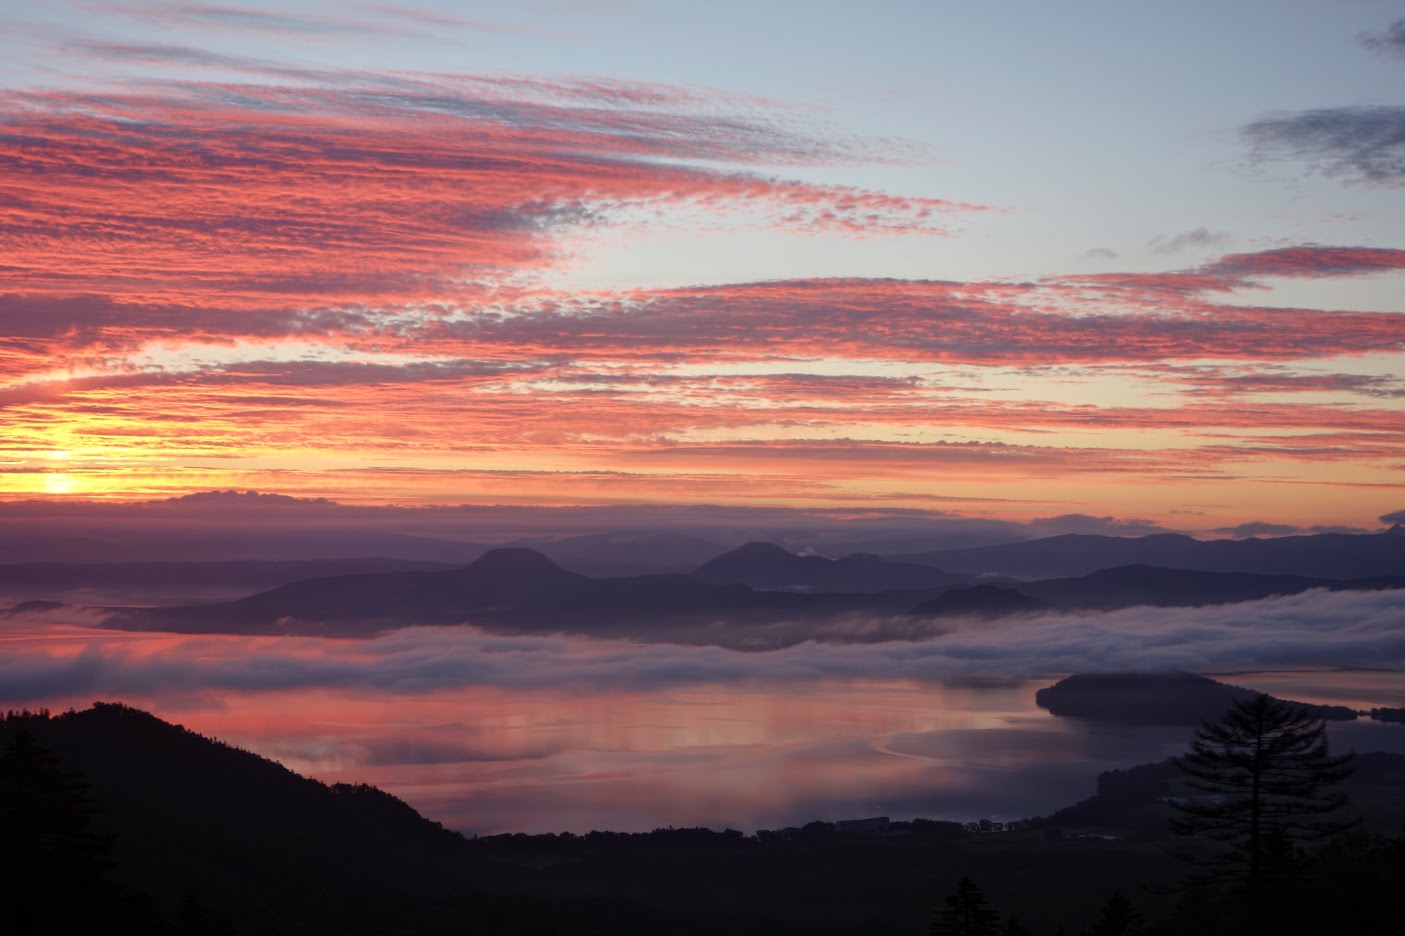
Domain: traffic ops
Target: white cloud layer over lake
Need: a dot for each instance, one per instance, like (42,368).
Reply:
(45,657)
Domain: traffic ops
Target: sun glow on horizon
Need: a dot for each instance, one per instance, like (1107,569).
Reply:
(327,276)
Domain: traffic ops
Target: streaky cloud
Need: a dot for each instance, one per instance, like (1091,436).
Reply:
(1201,237)
(1390,41)
(1355,144)
(1310,261)
(260,20)
(421,189)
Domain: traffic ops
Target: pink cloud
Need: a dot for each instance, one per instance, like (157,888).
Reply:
(247,197)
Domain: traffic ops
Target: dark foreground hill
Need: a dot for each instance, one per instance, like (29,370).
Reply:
(227,842)
(259,849)
(1133,803)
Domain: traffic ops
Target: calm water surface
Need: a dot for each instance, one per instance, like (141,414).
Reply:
(540,757)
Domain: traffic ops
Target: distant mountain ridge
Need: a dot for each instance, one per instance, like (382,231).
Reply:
(625,553)
(985,601)
(1140,584)
(1134,586)
(519,590)
(512,589)
(768,566)
(1322,555)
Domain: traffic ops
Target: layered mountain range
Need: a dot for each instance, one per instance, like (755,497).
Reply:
(731,598)
(1321,555)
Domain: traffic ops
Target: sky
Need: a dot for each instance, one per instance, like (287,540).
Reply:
(1005,261)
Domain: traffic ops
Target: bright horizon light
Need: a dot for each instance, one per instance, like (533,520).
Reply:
(918,259)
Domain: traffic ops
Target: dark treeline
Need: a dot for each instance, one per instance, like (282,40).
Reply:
(1350,887)
(1396,715)
(116,822)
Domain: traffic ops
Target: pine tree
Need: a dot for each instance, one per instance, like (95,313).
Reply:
(1265,775)
(52,864)
(967,913)
(1013,927)
(1117,917)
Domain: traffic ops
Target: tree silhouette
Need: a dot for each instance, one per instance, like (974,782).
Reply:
(967,913)
(1013,927)
(194,917)
(1266,775)
(1117,917)
(52,865)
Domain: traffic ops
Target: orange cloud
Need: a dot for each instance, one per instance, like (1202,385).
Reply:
(301,286)
(255,197)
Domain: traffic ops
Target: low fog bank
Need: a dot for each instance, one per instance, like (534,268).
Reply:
(45,656)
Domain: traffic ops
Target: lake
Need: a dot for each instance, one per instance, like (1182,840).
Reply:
(546,733)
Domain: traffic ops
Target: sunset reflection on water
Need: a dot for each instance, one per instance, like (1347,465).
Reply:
(535,740)
(489,759)
(718,755)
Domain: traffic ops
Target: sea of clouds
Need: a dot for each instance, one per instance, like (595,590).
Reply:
(46,656)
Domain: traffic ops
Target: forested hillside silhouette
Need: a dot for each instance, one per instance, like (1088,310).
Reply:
(164,831)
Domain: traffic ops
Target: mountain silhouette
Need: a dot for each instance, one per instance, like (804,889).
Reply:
(512,588)
(768,566)
(981,601)
(1132,585)
(625,553)
(518,590)
(184,810)
(1323,555)
(247,846)
(499,579)
(1154,699)
(228,842)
